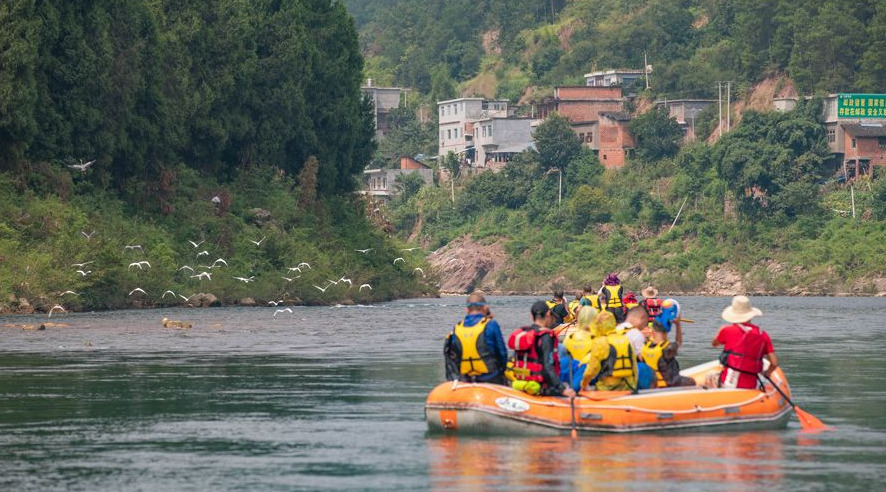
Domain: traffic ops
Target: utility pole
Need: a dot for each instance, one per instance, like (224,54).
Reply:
(646,69)
(728,93)
(720,107)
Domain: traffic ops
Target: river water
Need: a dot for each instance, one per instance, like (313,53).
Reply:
(332,398)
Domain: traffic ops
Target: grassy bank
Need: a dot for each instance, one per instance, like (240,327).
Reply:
(46,214)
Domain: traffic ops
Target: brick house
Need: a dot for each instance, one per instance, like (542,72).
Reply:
(858,143)
(615,140)
(586,108)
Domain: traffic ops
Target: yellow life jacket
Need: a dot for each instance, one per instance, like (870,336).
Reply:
(569,318)
(573,306)
(622,361)
(579,344)
(613,299)
(594,300)
(474,353)
(652,353)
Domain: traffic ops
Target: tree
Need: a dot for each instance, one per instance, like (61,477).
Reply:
(587,206)
(658,135)
(408,185)
(556,143)
(583,169)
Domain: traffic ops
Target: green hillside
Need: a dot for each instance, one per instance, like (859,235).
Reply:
(832,45)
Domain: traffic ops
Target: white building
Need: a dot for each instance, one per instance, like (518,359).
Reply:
(622,77)
(456,122)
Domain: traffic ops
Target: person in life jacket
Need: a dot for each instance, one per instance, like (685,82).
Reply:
(651,302)
(559,309)
(575,348)
(535,365)
(475,350)
(635,322)
(590,298)
(630,300)
(661,355)
(610,297)
(611,358)
(745,346)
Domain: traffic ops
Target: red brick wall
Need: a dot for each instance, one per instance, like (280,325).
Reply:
(576,111)
(612,157)
(410,163)
(584,92)
(865,147)
(614,142)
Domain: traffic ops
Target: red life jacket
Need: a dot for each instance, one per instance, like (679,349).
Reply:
(528,365)
(747,357)
(653,306)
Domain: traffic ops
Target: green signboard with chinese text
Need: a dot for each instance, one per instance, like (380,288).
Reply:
(861,106)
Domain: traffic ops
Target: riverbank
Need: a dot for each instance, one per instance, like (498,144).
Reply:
(250,241)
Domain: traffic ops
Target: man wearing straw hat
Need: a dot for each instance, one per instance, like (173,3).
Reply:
(745,346)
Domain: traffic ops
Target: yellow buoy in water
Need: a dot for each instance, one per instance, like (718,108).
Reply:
(168,323)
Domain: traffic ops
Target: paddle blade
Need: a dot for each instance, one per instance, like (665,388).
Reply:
(809,422)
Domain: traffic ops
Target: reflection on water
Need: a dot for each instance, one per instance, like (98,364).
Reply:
(332,398)
(611,462)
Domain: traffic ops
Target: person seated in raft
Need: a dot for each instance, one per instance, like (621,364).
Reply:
(635,322)
(576,346)
(651,302)
(559,310)
(610,297)
(745,346)
(574,305)
(535,366)
(611,357)
(630,300)
(661,355)
(590,298)
(475,350)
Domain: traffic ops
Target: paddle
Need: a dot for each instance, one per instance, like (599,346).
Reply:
(574,432)
(808,421)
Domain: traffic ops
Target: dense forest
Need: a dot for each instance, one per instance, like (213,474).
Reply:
(829,46)
(220,122)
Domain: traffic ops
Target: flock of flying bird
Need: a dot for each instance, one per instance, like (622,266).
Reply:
(206,274)
(82,268)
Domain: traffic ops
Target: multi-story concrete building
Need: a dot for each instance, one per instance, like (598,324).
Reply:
(685,111)
(384,100)
(856,130)
(457,118)
(492,134)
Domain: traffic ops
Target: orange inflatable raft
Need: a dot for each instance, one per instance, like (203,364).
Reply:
(479,408)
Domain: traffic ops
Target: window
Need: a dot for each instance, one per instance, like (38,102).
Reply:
(384,183)
(455,106)
(590,138)
(456,133)
(832,135)
(442,135)
(581,136)
(490,130)
(448,134)
(881,142)
(853,143)
(441,110)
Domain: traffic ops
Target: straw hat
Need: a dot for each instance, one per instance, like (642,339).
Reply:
(650,292)
(741,310)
